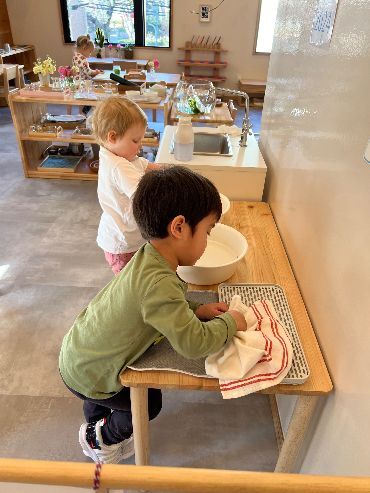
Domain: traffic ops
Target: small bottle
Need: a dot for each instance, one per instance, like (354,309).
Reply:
(184,139)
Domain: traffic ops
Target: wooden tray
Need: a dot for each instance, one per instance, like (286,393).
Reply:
(66,164)
(75,120)
(45,133)
(136,75)
(79,135)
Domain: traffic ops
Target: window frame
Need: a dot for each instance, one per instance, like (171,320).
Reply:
(139,25)
(255,52)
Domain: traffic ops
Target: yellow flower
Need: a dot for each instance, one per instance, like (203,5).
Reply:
(44,67)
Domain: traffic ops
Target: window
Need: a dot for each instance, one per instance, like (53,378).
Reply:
(266,25)
(140,22)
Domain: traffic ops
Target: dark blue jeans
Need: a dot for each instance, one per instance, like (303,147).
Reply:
(117,412)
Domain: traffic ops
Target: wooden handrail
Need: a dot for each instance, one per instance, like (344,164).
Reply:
(174,478)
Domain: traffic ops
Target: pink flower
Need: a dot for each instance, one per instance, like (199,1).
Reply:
(67,71)
(110,47)
(62,71)
(118,46)
(156,63)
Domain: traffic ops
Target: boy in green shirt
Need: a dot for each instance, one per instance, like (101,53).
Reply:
(175,210)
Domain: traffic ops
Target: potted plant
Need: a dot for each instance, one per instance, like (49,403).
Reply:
(100,40)
(128,50)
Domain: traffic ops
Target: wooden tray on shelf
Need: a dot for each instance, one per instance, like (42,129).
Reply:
(47,131)
(66,164)
(65,121)
(86,133)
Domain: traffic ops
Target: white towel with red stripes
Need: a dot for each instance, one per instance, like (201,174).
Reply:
(254,359)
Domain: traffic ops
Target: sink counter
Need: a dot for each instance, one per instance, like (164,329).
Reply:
(239,177)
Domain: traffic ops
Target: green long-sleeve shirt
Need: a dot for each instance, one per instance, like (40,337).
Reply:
(146,300)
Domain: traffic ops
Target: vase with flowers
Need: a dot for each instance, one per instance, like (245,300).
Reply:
(44,68)
(69,76)
(152,65)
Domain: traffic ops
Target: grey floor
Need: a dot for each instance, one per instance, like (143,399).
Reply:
(50,267)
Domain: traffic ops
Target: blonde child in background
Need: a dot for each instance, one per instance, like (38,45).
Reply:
(84,49)
(119,126)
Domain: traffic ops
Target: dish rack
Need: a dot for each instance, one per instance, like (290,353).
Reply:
(249,293)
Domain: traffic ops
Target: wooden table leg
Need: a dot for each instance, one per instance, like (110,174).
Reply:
(302,414)
(154,115)
(140,424)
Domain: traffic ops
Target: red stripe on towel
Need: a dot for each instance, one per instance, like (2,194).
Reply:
(259,377)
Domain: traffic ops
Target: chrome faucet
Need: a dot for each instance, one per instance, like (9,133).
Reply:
(246,126)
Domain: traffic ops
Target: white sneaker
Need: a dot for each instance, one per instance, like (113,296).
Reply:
(92,444)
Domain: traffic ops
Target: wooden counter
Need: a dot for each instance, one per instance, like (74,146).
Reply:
(266,262)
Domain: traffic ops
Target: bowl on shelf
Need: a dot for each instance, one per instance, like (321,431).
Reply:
(225,205)
(225,248)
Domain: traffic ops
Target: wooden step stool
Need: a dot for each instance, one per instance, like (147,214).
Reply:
(254,89)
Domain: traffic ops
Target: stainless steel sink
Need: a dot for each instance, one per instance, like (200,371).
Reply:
(209,144)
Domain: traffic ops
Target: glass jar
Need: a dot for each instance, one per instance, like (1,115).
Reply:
(198,97)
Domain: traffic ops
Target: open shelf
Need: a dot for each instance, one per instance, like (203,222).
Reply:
(199,48)
(201,63)
(66,136)
(205,77)
(212,65)
(26,111)
(20,55)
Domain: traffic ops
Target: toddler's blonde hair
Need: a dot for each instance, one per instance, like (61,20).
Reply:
(84,42)
(116,114)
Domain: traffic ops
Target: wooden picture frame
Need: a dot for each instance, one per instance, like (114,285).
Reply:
(204,12)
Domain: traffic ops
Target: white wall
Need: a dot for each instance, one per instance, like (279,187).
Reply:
(315,126)
(38,22)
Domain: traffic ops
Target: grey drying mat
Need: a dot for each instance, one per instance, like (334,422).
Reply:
(162,356)
(249,293)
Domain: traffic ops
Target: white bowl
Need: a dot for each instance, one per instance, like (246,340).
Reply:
(225,248)
(225,205)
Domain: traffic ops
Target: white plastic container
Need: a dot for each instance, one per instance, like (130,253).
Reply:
(184,139)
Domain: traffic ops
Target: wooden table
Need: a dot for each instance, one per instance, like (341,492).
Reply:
(266,262)
(254,88)
(151,78)
(219,116)
(93,61)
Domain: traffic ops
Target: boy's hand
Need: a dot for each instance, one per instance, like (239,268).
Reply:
(241,324)
(211,310)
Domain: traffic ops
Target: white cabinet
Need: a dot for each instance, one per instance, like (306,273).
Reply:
(239,177)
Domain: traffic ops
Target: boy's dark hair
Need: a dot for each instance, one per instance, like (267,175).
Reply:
(169,192)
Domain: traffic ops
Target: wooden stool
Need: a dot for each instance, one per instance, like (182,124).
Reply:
(254,89)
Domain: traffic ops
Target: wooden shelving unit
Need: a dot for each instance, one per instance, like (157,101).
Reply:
(212,65)
(20,55)
(27,111)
